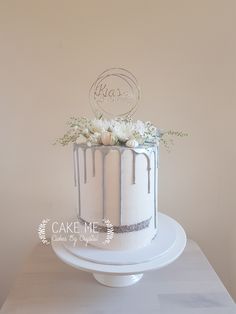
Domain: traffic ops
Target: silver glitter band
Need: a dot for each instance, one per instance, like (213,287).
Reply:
(120,229)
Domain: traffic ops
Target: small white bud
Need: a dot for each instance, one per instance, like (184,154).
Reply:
(132,143)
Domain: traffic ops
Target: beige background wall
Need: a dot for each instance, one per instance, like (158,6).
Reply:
(183,53)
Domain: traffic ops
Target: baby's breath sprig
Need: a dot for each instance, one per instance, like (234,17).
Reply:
(166,138)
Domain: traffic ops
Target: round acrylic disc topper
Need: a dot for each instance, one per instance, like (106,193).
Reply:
(115,93)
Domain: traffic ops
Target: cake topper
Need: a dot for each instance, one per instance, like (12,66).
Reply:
(115,93)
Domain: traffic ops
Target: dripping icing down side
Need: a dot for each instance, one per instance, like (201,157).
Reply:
(104,150)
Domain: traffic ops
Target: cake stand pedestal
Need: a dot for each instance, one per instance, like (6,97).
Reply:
(125,268)
(116,281)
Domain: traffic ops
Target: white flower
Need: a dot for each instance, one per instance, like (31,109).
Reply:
(108,138)
(85,132)
(140,127)
(81,140)
(99,125)
(97,135)
(95,138)
(132,143)
(123,131)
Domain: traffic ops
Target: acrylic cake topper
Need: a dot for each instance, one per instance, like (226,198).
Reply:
(115,93)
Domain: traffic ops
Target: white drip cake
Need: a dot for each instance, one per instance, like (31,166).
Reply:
(116,175)
(116,164)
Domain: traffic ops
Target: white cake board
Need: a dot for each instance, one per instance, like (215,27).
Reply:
(164,249)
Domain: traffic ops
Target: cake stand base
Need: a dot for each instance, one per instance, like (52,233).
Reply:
(121,269)
(117,280)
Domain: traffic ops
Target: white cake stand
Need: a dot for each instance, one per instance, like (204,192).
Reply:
(125,268)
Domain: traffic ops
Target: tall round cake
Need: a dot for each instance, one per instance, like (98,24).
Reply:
(118,184)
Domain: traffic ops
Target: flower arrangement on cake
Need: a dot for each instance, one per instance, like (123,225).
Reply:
(116,132)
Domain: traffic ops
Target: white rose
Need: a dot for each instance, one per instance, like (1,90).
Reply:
(108,138)
(132,143)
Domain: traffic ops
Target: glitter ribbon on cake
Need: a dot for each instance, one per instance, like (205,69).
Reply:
(121,229)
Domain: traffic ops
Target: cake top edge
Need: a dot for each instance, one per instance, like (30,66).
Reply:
(116,147)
